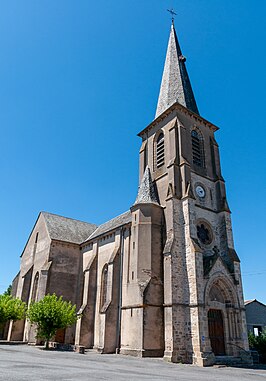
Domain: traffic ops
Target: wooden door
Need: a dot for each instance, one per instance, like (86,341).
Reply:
(60,336)
(216,331)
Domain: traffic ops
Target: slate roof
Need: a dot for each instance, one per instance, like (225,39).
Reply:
(66,229)
(249,301)
(147,192)
(175,86)
(120,220)
(253,300)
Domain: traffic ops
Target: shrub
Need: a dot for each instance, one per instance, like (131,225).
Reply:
(259,344)
(11,308)
(50,314)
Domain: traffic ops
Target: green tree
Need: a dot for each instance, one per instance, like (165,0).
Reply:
(8,290)
(11,309)
(259,344)
(50,314)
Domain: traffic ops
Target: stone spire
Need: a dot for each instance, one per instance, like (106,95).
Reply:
(175,86)
(147,192)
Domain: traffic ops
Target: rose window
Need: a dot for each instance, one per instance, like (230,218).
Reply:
(204,234)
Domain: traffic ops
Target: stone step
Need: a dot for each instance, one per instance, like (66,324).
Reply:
(5,342)
(228,360)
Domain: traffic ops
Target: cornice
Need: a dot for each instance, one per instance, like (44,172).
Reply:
(64,243)
(212,179)
(185,111)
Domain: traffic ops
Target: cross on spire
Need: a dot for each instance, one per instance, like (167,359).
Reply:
(173,14)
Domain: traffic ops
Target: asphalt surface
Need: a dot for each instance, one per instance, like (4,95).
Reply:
(22,362)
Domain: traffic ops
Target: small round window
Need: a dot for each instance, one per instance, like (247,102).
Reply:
(204,233)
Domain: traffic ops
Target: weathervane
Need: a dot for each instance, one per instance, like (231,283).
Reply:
(172,13)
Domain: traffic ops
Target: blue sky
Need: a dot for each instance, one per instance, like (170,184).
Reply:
(80,79)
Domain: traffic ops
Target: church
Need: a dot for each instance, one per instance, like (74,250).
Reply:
(162,279)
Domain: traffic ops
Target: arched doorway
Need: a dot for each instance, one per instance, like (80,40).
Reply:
(216,331)
(224,316)
(216,324)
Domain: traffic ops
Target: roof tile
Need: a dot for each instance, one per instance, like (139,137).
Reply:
(67,229)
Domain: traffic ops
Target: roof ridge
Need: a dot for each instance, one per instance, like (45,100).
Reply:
(68,218)
(254,300)
(94,234)
(119,215)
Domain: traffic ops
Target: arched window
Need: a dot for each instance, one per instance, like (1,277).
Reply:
(35,288)
(204,233)
(104,282)
(160,150)
(216,294)
(197,149)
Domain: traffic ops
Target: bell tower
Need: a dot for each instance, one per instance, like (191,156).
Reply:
(204,314)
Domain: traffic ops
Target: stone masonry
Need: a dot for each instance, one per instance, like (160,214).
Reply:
(162,279)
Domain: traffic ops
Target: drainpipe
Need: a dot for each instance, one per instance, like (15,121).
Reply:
(118,328)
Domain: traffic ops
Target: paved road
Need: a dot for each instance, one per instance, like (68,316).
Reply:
(22,362)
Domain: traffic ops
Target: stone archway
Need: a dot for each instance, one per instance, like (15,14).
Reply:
(222,315)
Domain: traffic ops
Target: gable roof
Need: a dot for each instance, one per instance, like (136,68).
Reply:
(112,224)
(249,301)
(67,229)
(252,301)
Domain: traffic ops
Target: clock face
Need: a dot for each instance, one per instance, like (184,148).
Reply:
(200,191)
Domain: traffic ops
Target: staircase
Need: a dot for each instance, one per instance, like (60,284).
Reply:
(229,361)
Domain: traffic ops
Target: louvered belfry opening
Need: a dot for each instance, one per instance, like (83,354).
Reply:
(160,151)
(197,149)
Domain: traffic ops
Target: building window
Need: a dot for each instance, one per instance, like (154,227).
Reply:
(35,288)
(204,233)
(160,150)
(216,295)
(197,149)
(257,330)
(104,283)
